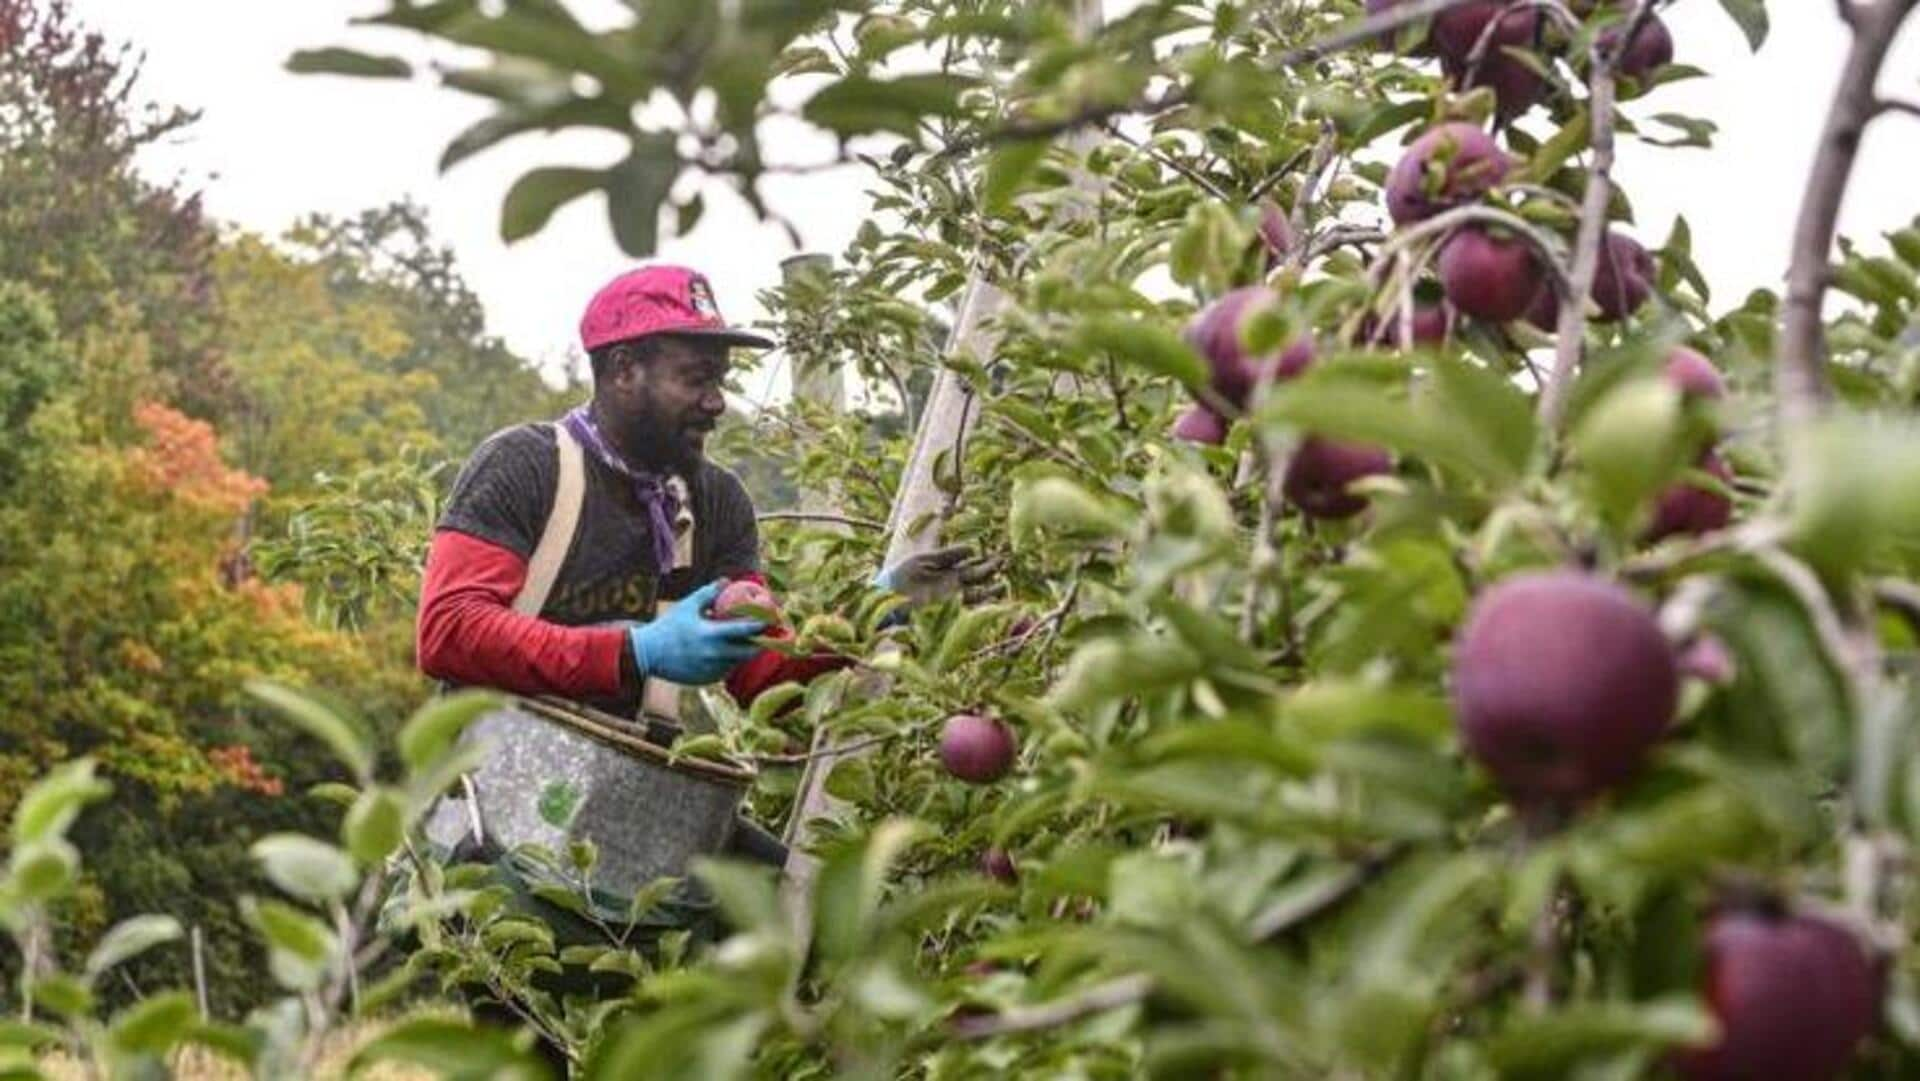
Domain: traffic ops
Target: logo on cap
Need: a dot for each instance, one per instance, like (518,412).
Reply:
(701,297)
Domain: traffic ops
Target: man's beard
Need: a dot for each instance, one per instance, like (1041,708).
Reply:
(662,444)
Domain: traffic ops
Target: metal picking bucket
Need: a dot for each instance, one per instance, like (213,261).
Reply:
(557,772)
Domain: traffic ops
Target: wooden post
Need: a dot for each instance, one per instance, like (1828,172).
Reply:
(914,525)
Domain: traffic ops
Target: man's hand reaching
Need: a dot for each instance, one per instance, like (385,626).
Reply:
(940,573)
(684,646)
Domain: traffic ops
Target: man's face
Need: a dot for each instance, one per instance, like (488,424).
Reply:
(674,401)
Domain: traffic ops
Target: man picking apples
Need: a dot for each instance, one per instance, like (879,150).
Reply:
(661,530)
(654,582)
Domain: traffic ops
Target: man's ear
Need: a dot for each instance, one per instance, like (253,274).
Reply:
(628,369)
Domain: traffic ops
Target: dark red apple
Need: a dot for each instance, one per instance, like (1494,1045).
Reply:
(1276,234)
(975,748)
(1694,374)
(1198,424)
(1623,278)
(1708,660)
(1650,50)
(1689,509)
(738,596)
(1457,32)
(1793,996)
(1562,682)
(1489,277)
(1432,325)
(1321,469)
(1543,311)
(1216,334)
(1468,161)
(996,864)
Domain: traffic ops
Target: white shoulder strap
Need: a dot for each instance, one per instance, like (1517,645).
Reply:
(544,566)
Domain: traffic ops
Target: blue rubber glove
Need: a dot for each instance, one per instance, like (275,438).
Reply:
(684,646)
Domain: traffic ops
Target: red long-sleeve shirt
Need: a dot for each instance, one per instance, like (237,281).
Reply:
(468,632)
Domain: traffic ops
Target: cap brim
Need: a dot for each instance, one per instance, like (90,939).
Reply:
(729,335)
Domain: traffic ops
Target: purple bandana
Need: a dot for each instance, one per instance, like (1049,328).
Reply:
(652,490)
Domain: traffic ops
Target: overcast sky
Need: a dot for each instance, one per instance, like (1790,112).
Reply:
(274,147)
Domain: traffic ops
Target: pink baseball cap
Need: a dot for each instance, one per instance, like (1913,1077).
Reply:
(659,299)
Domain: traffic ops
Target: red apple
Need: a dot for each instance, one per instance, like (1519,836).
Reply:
(1276,234)
(1793,996)
(1623,278)
(1321,469)
(1470,164)
(1690,510)
(1708,660)
(996,864)
(1562,682)
(1456,34)
(975,748)
(1432,325)
(1489,277)
(1543,311)
(1650,50)
(738,596)
(1198,424)
(1216,333)
(1694,374)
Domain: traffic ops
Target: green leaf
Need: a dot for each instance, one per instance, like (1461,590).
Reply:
(1553,1045)
(128,939)
(1149,346)
(43,870)
(450,1049)
(1111,668)
(1844,515)
(317,720)
(309,869)
(516,119)
(49,807)
(299,945)
(155,1025)
(27,1035)
(1057,505)
(745,893)
(636,190)
(337,61)
(438,723)
(534,198)
(859,105)
(1553,153)
(1007,169)
(1751,17)
(375,826)
(848,891)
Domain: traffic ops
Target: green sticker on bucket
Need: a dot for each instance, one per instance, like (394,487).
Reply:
(558,802)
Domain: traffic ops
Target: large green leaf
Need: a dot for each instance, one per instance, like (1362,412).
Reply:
(306,868)
(859,105)
(128,939)
(535,197)
(48,809)
(321,722)
(348,62)
(435,725)
(636,190)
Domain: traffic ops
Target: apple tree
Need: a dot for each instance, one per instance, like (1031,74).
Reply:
(1434,640)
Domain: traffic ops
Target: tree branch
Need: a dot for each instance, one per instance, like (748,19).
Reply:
(820,516)
(1124,991)
(1571,332)
(1800,380)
